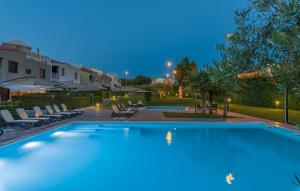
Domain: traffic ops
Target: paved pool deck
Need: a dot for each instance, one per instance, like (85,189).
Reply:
(96,114)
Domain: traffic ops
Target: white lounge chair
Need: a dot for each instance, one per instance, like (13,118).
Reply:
(117,113)
(52,112)
(9,120)
(57,110)
(39,113)
(66,109)
(23,115)
(131,104)
(140,103)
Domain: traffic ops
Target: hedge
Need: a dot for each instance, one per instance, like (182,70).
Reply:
(73,102)
(262,91)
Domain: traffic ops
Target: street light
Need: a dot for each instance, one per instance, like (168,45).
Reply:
(169,64)
(126,73)
(168,75)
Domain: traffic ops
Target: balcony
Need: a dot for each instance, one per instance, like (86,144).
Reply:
(55,76)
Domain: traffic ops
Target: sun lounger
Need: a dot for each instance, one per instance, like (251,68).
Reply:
(23,115)
(128,108)
(123,109)
(117,113)
(39,113)
(130,104)
(10,121)
(52,112)
(140,103)
(57,110)
(66,109)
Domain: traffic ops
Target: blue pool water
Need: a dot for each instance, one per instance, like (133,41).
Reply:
(137,156)
(165,108)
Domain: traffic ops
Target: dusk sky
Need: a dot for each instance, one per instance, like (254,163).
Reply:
(135,35)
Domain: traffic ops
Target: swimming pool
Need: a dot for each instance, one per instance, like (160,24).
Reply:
(165,108)
(140,156)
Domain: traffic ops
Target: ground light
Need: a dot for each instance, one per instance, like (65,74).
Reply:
(277,104)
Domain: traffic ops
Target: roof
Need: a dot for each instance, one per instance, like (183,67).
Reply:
(17,43)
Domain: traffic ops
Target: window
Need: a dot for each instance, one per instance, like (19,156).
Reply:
(75,75)
(12,67)
(42,73)
(27,71)
(62,72)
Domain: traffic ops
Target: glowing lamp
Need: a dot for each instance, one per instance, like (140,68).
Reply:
(277,104)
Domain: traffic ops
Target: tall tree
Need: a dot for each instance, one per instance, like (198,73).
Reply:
(266,39)
(184,71)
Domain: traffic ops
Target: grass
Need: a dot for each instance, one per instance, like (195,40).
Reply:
(155,101)
(266,113)
(190,115)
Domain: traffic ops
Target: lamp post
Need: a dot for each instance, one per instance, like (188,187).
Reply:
(228,100)
(169,64)
(126,74)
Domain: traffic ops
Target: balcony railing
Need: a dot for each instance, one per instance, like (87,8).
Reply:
(2,76)
(55,76)
(37,57)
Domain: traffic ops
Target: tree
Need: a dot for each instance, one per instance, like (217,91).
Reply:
(142,80)
(276,31)
(201,82)
(184,71)
(266,40)
(137,81)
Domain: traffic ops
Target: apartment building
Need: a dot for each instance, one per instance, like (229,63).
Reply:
(19,61)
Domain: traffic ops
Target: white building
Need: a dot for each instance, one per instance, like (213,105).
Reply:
(163,81)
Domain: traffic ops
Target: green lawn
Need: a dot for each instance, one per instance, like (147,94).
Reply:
(165,101)
(190,115)
(266,113)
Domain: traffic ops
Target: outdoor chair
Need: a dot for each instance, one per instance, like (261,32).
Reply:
(129,108)
(66,109)
(131,104)
(51,112)
(10,121)
(39,113)
(23,115)
(57,111)
(121,108)
(140,103)
(117,113)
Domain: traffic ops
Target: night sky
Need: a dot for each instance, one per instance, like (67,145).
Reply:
(117,35)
